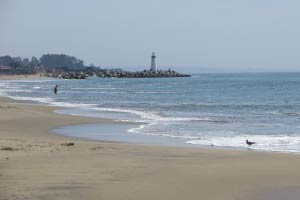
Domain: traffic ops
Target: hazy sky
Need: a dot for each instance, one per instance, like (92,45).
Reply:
(191,35)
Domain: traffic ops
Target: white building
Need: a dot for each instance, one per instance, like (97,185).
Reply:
(153,64)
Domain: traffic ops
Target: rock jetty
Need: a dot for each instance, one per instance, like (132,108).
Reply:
(67,75)
(114,74)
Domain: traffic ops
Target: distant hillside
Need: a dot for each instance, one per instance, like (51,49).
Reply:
(50,61)
(46,61)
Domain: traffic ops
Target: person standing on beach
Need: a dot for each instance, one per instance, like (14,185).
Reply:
(55,89)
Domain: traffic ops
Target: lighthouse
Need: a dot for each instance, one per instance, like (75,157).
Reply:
(153,65)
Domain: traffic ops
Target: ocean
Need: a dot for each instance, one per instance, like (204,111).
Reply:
(220,110)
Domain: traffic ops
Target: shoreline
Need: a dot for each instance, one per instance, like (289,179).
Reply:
(142,142)
(155,139)
(41,167)
(275,143)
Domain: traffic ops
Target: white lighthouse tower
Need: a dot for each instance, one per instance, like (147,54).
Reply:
(153,65)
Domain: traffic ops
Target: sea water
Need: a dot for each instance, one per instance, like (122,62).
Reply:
(221,110)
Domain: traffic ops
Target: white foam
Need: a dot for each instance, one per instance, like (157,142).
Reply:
(69,92)
(178,119)
(18,90)
(155,92)
(90,88)
(71,105)
(37,99)
(284,113)
(11,87)
(151,115)
(142,114)
(138,131)
(141,127)
(52,102)
(38,80)
(278,143)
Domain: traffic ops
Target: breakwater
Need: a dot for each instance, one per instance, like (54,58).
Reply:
(114,74)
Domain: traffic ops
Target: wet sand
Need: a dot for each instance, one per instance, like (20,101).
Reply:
(37,165)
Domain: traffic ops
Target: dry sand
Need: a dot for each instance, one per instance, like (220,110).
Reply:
(21,76)
(34,165)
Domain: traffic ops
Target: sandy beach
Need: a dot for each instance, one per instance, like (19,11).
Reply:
(36,165)
(21,76)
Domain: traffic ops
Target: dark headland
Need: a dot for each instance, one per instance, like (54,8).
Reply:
(68,67)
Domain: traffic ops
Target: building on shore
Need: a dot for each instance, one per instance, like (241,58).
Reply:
(5,69)
(153,64)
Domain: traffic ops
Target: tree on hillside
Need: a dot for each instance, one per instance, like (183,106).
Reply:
(26,62)
(13,61)
(34,61)
(6,60)
(61,61)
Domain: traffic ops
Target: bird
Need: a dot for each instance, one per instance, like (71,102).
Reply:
(249,143)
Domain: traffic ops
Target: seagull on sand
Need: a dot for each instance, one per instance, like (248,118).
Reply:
(249,143)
